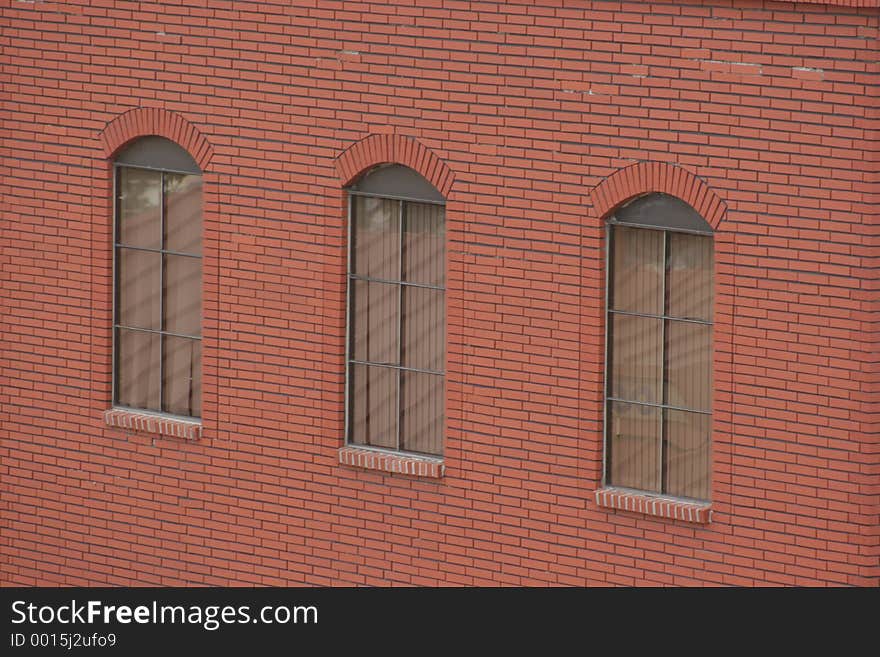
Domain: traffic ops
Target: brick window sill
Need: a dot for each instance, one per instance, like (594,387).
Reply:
(408,464)
(655,505)
(156,424)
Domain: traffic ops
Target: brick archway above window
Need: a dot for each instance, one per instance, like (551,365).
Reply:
(145,121)
(397,149)
(646,177)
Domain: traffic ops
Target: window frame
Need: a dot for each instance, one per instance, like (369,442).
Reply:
(115,325)
(401,199)
(610,224)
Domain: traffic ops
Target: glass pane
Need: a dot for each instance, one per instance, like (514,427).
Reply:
(373,406)
(421,412)
(183,213)
(375,247)
(424,328)
(374,322)
(690,288)
(637,271)
(689,365)
(688,452)
(182,295)
(634,446)
(139,278)
(397,180)
(664,211)
(137,369)
(636,358)
(158,153)
(424,244)
(139,215)
(182,381)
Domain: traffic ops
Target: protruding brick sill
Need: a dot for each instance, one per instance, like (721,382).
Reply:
(408,464)
(148,423)
(652,505)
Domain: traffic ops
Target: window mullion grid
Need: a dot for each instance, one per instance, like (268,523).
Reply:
(399,314)
(162,251)
(370,279)
(689,320)
(170,334)
(392,366)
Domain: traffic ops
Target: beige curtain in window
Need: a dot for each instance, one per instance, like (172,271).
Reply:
(689,370)
(634,448)
(182,296)
(138,354)
(424,329)
(373,313)
(636,358)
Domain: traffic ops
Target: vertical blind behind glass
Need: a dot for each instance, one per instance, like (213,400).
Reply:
(658,361)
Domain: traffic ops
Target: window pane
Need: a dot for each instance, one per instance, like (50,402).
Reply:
(634,446)
(183,213)
(373,406)
(424,328)
(664,211)
(690,287)
(182,295)
(182,381)
(139,217)
(421,412)
(157,153)
(636,358)
(688,451)
(375,248)
(637,270)
(137,369)
(397,180)
(137,294)
(689,365)
(374,322)
(424,244)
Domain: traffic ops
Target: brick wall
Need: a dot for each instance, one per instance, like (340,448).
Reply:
(546,115)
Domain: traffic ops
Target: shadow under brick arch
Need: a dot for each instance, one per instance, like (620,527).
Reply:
(397,149)
(145,121)
(648,177)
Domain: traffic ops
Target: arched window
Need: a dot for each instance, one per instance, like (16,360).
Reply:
(396,312)
(658,414)
(157,306)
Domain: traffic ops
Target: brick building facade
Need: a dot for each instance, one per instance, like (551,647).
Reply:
(534,121)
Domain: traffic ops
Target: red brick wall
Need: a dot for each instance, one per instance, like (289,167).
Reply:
(770,107)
